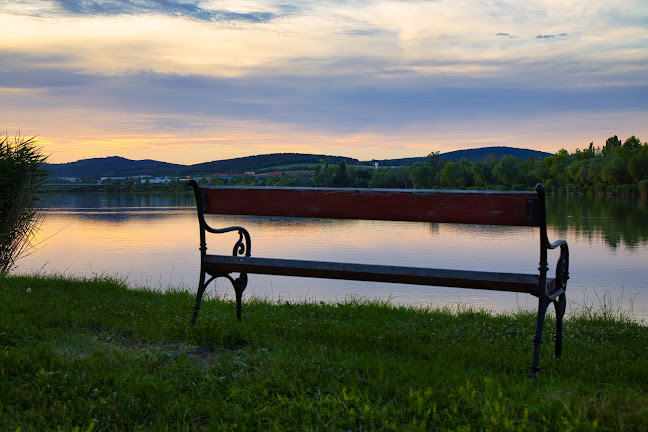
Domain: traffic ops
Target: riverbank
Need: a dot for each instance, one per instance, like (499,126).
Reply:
(95,355)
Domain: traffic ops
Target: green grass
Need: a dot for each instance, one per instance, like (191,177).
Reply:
(92,355)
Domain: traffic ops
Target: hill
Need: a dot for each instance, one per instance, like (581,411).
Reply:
(263,162)
(470,154)
(113,166)
(116,166)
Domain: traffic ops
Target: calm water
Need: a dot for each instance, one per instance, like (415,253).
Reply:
(153,241)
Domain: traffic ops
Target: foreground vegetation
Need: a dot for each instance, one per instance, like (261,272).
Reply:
(92,355)
(22,173)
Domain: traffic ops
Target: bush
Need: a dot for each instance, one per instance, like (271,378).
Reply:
(600,188)
(627,189)
(22,173)
(549,186)
(643,187)
(611,190)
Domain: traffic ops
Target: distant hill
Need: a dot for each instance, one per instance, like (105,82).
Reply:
(116,166)
(495,152)
(263,162)
(470,154)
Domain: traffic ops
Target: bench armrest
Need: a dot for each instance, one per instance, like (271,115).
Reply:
(562,268)
(557,243)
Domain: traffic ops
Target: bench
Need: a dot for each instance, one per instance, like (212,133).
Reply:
(462,207)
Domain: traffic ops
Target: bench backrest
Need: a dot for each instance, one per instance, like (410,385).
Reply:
(468,207)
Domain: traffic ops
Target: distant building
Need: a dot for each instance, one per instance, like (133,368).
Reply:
(156,180)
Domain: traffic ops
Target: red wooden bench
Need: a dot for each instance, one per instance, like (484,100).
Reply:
(465,207)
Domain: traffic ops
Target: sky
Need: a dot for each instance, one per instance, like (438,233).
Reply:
(190,81)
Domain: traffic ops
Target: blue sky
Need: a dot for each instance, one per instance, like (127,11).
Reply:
(193,81)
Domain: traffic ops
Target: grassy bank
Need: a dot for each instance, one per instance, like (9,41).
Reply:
(93,355)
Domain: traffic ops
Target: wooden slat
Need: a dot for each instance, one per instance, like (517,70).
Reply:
(515,282)
(473,207)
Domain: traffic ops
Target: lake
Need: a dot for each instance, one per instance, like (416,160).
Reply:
(152,240)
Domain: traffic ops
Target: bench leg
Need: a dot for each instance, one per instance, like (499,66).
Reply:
(239,286)
(199,295)
(537,340)
(560,305)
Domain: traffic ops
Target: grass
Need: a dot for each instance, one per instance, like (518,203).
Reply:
(80,354)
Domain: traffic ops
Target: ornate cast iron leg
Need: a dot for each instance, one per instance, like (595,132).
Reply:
(537,340)
(199,294)
(239,285)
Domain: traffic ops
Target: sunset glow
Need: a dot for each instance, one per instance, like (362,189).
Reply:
(199,80)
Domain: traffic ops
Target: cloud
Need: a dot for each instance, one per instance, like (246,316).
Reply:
(550,36)
(327,68)
(108,8)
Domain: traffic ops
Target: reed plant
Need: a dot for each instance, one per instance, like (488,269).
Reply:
(22,173)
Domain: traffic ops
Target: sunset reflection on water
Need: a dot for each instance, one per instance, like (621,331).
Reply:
(157,247)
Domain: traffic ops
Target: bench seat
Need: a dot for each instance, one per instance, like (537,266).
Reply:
(219,265)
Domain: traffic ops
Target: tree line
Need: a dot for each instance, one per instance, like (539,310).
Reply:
(615,168)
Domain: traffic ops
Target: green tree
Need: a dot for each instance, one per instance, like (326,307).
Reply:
(359,178)
(384,178)
(509,171)
(557,165)
(22,173)
(616,171)
(340,175)
(538,172)
(638,164)
(422,175)
(611,144)
(449,174)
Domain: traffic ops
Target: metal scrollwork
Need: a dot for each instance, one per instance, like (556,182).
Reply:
(242,246)
(562,267)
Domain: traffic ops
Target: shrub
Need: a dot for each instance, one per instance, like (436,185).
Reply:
(600,188)
(627,189)
(22,173)
(611,190)
(549,186)
(643,187)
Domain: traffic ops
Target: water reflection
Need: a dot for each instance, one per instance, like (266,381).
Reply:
(152,240)
(620,222)
(99,200)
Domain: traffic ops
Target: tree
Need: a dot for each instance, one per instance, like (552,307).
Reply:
(22,173)
(340,175)
(449,174)
(616,171)
(557,165)
(509,171)
(538,173)
(638,164)
(422,175)
(610,144)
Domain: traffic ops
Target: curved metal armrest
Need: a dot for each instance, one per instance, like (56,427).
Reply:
(557,243)
(223,230)
(244,243)
(562,268)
